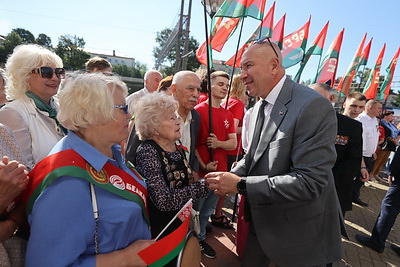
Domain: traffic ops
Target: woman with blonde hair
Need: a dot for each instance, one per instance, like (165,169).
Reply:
(86,204)
(34,74)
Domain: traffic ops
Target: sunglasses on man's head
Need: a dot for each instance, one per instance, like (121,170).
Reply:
(266,40)
(47,72)
(124,108)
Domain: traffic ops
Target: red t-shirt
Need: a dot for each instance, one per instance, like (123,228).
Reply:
(237,108)
(202,98)
(222,123)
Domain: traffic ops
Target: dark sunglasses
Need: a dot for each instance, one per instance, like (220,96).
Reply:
(124,108)
(265,40)
(47,72)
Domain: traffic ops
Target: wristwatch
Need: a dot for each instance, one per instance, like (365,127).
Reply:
(241,187)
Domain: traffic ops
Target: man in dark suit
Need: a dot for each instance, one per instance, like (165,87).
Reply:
(286,176)
(348,146)
(185,88)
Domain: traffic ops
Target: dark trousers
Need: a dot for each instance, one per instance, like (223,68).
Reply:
(390,208)
(369,163)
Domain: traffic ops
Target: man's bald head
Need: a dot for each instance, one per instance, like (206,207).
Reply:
(324,90)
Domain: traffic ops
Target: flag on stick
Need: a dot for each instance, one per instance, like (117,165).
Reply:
(264,29)
(315,49)
(365,54)
(294,46)
(167,248)
(347,79)
(278,32)
(385,88)
(327,70)
(371,86)
(242,8)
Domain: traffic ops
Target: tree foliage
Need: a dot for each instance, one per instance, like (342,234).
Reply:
(70,49)
(11,41)
(136,72)
(168,64)
(44,40)
(396,100)
(27,36)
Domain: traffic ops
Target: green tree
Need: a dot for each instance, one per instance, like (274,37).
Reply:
(27,36)
(137,72)
(70,49)
(168,64)
(11,41)
(44,40)
(396,100)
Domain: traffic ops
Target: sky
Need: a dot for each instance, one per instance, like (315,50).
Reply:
(130,26)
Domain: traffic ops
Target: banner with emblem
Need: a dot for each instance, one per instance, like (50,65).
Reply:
(70,163)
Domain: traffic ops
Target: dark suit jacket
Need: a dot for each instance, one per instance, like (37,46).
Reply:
(348,146)
(134,142)
(290,185)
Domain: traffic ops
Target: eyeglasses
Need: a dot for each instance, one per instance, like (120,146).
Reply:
(265,40)
(124,108)
(47,72)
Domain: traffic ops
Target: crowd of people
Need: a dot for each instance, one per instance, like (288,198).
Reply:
(72,143)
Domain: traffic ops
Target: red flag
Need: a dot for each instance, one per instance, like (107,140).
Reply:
(223,33)
(385,88)
(347,79)
(371,86)
(315,49)
(365,54)
(294,46)
(278,31)
(264,29)
(201,52)
(327,70)
(165,249)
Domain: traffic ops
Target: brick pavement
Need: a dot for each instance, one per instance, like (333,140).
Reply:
(359,220)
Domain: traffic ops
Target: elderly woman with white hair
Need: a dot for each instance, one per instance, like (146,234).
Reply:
(34,74)
(86,204)
(162,161)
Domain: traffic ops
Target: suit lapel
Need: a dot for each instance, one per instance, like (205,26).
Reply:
(274,120)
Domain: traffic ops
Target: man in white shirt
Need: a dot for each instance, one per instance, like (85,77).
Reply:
(151,80)
(370,124)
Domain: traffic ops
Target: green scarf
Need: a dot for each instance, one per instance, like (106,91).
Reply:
(43,106)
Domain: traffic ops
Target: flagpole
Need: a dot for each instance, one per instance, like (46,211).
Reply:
(319,63)
(234,64)
(208,79)
(176,215)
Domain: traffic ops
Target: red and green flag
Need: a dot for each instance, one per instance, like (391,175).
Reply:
(315,49)
(345,83)
(328,67)
(278,32)
(371,86)
(385,88)
(223,33)
(242,8)
(365,54)
(264,29)
(294,46)
(201,52)
(168,247)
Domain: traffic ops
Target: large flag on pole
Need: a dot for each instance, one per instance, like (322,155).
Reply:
(167,248)
(278,32)
(385,88)
(294,46)
(327,70)
(365,54)
(371,86)
(201,52)
(242,8)
(347,79)
(264,29)
(315,49)
(223,33)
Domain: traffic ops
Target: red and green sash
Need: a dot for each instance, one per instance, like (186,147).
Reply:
(70,163)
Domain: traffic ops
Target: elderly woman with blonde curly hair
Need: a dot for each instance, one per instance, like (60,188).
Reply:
(162,160)
(34,74)
(86,204)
